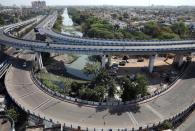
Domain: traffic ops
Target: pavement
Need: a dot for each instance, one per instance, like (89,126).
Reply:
(5,126)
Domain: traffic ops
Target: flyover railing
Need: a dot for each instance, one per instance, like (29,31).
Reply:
(4,68)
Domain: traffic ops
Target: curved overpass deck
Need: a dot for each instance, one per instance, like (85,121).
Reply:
(67,39)
(139,47)
(28,95)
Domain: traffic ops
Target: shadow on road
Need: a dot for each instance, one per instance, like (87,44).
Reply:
(119,110)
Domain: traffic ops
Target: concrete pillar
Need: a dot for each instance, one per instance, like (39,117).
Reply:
(109,60)
(39,60)
(178,60)
(151,63)
(104,61)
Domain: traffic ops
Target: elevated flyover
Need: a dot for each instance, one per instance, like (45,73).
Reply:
(93,46)
(33,100)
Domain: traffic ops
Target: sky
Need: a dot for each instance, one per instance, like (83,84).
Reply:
(104,2)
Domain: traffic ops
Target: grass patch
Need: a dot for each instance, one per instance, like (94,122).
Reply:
(61,84)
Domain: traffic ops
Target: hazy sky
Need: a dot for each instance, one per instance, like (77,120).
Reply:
(103,2)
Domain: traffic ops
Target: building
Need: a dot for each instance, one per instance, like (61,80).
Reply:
(38,4)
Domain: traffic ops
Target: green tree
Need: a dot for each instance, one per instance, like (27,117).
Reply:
(92,68)
(100,92)
(181,29)
(142,85)
(167,35)
(128,88)
(13,113)
(132,88)
(2,22)
(58,23)
(152,29)
(166,125)
(111,89)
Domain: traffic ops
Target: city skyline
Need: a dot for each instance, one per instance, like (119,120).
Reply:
(103,2)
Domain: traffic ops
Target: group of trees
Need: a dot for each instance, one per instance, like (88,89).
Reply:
(132,88)
(17,114)
(103,86)
(59,23)
(96,28)
(2,22)
(176,31)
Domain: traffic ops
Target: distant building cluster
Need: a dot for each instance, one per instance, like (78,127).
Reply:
(38,4)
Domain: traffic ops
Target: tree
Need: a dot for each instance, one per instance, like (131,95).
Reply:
(100,92)
(125,15)
(166,125)
(152,28)
(13,113)
(92,68)
(142,85)
(128,88)
(120,18)
(111,89)
(58,23)
(132,88)
(75,86)
(96,94)
(167,35)
(114,16)
(2,22)
(180,28)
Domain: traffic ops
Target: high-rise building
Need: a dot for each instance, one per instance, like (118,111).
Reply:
(38,4)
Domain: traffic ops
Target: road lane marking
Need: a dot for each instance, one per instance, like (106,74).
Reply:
(155,111)
(132,118)
(42,104)
(28,94)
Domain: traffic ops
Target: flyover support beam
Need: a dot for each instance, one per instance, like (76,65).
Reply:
(109,60)
(151,63)
(178,60)
(39,60)
(104,61)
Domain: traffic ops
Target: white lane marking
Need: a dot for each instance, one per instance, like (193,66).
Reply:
(155,111)
(132,118)
(29,94)
(42,104)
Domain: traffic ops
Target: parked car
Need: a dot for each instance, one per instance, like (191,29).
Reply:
(163,75)
(140,59)
(114,66)
(189,58)
(122,63)
(24,64)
